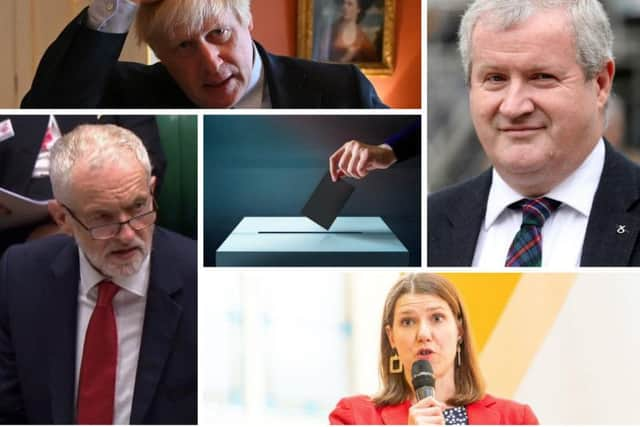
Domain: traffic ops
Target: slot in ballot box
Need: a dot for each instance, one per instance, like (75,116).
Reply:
(298,241)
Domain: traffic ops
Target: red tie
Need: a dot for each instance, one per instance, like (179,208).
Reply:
(99,358)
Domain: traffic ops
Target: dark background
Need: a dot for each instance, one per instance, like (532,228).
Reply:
(270,165)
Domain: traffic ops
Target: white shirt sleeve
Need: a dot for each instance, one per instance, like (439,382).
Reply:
(111,16)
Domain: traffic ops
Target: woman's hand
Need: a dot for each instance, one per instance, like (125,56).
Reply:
(428,411)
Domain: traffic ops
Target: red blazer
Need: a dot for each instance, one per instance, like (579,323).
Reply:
(488,410)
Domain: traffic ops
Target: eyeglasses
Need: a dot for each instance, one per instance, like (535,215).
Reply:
(107,231)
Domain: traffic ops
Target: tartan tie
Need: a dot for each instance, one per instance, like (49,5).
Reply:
(96,389)
(526,248)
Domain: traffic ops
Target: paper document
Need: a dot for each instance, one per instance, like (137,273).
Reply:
(22,210)
(327,201)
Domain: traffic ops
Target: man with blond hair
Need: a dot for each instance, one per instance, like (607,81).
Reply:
(98,326)
(207,59)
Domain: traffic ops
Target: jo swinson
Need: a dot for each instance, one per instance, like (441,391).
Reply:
(425,324)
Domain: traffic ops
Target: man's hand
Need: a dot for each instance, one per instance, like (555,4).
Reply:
(355,159)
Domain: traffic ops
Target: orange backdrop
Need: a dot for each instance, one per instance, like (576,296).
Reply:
(275,24)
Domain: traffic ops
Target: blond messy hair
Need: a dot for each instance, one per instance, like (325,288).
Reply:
(161,20)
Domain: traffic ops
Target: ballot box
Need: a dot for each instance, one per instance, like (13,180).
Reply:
(298,241)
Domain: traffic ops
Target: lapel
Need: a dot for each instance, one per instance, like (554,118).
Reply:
(466,220)
(614,210)
(482,412)
(287,85)
(61,330)
(162,317)
(395,414)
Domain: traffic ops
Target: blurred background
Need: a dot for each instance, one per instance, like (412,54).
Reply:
(270,165)
(454,152)
(283,347)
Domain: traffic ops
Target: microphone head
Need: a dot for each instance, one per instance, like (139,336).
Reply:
(422,374)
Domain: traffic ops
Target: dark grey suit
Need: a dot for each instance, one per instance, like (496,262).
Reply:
(455,216)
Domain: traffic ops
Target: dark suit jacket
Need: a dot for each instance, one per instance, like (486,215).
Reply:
(63,80)
(38,325)
(406,143)
(488,410)
(455,216)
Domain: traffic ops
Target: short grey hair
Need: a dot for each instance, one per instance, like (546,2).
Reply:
(95,145)
(591,28)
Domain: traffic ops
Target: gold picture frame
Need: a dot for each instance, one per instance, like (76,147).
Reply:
(319,39)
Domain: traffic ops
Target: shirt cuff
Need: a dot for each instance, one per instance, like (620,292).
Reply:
(111,16)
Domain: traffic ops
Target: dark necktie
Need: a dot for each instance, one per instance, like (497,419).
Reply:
(526,248)
(96,390)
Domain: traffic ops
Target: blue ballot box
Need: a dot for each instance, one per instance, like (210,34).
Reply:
(298,241)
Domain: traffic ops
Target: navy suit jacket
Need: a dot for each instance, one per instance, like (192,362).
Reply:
(455,216)
(406,143)
(38,325)
(62,79)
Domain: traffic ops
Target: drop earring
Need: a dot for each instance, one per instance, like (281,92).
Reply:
(459,359)
(395,366)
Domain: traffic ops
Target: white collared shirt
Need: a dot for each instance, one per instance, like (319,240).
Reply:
(257,94)
(111,16)
(129,306)
(562,234)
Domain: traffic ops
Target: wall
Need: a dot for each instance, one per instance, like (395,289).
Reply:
(270,165)
(27,28)
(402,89)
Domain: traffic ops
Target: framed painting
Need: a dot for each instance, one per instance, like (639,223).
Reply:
(357,32)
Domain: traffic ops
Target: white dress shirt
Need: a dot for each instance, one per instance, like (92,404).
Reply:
(116,16)
(111,16)
(562,233)
(129,306)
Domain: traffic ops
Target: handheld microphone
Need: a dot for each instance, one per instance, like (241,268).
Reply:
(422,378)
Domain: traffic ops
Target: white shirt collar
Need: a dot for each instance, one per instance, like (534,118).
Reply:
(137,283)
(576,191)
(255,95)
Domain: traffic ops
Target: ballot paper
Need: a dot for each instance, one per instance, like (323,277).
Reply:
(327,201)
(17,210)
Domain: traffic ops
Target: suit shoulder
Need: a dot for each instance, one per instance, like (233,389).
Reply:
(315,67)
(449,196)
(341,85)
(512,412)
(174,243)
(335,77)
(32,251)
(353,409)
(357,401)
(619,163)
